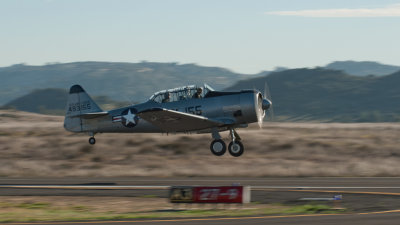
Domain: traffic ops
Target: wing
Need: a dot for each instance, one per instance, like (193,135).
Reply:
(174,121)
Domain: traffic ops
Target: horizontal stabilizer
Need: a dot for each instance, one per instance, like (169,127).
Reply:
(91,115)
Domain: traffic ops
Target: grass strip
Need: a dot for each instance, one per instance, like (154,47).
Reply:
(42,211)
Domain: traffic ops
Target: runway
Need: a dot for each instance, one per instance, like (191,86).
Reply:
(99,186)
(371,200)
(347,182)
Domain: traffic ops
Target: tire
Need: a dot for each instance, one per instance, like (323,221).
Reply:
(236,148)
(218,147)
(92,141)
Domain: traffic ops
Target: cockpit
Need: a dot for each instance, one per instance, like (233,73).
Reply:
(181,93)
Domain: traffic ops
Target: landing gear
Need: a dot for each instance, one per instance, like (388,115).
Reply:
(92,140)
(235,148)
(218,147)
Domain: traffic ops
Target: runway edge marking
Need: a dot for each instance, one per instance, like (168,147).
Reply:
(349,192)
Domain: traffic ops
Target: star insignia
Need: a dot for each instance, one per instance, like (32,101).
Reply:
(129,118)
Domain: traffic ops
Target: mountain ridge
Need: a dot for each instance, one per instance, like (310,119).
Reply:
(130,81)
(363,68)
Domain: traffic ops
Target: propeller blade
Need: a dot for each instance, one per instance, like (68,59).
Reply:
(267,94)
(260,111)
(265,89)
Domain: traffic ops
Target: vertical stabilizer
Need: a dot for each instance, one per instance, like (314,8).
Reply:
(79,102)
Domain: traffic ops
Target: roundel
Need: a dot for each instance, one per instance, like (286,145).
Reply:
(129,118)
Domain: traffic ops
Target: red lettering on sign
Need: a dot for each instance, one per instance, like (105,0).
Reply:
(224,194)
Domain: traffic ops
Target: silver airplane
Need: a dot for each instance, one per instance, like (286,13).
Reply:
(189,109)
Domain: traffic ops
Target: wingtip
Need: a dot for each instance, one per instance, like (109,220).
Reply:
(76,89)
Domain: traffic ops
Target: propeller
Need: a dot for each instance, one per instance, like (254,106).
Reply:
(267,95)
(264,104)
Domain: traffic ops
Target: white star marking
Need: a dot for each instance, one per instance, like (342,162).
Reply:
(130,118)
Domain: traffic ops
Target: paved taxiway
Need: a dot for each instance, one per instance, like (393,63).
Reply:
(365,196)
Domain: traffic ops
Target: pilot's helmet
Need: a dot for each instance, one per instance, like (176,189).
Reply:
(167,95)
(199,90)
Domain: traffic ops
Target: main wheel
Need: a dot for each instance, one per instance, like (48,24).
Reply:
(92,141)
(236,148)
(218,147)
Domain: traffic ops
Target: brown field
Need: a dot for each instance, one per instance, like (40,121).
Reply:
(37,145)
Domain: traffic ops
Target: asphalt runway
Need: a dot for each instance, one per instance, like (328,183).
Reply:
(371,200)
(346,182)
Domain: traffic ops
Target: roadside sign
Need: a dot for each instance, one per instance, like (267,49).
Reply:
(210,194)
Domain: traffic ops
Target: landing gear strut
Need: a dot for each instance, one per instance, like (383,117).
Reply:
(235,148)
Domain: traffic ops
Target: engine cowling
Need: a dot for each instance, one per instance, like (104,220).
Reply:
(253,106)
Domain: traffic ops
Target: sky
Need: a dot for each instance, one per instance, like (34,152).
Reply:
(245,36)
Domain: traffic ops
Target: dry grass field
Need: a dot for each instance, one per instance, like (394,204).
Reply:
(37,145)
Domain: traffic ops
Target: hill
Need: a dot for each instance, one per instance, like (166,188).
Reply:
(298,94)
(53,101)
(330,95)
(364,68)
(119,81)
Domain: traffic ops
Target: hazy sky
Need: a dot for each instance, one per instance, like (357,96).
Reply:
(244,36)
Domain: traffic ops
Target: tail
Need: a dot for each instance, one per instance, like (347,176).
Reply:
(79,107)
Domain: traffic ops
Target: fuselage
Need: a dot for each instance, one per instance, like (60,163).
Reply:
(239,107)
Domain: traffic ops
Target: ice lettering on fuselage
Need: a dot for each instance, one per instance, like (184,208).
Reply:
(196,110)
(73,107)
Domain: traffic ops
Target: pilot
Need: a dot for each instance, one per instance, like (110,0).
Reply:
(198,93)
(167,97)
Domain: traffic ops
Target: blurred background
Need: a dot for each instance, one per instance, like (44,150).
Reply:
(333,72)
